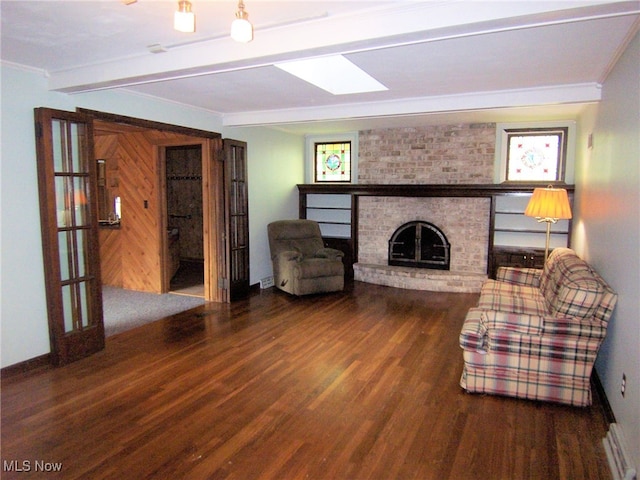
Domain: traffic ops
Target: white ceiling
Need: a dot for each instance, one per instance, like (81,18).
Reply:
(463,59)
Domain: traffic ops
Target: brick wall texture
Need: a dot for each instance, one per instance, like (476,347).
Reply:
(449,154)
(452,154)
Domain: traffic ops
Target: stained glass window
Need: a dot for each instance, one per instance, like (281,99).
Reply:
(536,154)
(333,162)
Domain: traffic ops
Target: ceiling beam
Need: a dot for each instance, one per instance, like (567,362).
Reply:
(374,29)
(552,95)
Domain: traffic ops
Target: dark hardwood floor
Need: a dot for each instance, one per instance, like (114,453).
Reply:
(355,385)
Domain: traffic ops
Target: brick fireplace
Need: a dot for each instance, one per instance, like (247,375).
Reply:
(452,154)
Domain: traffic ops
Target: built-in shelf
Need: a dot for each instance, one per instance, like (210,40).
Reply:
(524,230)
(335,207)
(332,211)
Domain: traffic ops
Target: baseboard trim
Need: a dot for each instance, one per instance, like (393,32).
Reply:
(620,462)
(28,366)
(607,412)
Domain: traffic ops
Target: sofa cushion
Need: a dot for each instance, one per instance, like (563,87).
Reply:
(519,276)
(507,297)
(318,267)
(548,272)
(578,297)
(562,265)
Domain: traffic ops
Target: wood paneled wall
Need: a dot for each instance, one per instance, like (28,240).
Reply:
(110,257)
(131,257)
(139,188)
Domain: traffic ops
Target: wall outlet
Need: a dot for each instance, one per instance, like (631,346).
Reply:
(266,282)
(623,386)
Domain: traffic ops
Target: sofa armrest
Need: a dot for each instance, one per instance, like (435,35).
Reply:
(520,276)
(473,333)
(546,325)
(581,327)
(515,322)
(332,253)
(485,330)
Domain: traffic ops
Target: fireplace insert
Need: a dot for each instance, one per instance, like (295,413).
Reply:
(419,244)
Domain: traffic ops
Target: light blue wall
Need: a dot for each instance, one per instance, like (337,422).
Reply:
(607,233)
(275,167)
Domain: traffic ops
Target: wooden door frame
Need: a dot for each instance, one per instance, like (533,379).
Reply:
(211,198)
(212,193)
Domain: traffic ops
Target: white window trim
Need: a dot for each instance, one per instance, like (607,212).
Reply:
(500,163)
(311,140)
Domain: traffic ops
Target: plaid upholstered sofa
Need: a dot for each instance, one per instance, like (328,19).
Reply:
(536,332)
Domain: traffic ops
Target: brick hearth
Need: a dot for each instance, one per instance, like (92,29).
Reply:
(419,278)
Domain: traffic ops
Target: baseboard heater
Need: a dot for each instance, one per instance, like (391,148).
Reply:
(620,463)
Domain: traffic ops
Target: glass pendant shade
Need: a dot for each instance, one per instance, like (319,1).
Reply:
(242,30)
(184,20)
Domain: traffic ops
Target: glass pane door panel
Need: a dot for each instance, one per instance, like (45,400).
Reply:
(80,203)
(75,304)
(65,259)
(79,162)
(239,198)
(80,255)
(72,246)
(57,131)
(62,202)
(83,299)
(233,200)
(67,307)
(233,238)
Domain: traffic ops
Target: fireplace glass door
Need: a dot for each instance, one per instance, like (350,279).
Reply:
(420,245)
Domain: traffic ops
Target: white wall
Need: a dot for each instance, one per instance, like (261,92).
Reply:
(607,233)
(275,166)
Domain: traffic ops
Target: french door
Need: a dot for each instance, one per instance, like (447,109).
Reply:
(68,212)
(236,219)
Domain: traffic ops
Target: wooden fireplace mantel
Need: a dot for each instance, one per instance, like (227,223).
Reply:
(427,190)
(491,191)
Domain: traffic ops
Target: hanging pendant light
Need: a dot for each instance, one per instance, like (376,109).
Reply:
(184,20)
(241,28)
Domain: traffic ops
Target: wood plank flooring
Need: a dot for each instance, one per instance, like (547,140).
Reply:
(361,384)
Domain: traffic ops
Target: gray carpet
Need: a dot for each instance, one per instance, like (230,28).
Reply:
(126,309)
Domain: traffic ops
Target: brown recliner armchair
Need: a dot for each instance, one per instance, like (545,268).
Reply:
(302,265)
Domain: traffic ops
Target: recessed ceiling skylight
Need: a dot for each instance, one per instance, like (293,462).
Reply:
(335,74)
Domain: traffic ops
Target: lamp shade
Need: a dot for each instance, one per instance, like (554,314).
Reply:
(551,203)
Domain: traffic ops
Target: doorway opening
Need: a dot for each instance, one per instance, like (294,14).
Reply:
(185,220)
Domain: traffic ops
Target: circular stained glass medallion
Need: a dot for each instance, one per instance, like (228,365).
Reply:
(532,158)
(333,162)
